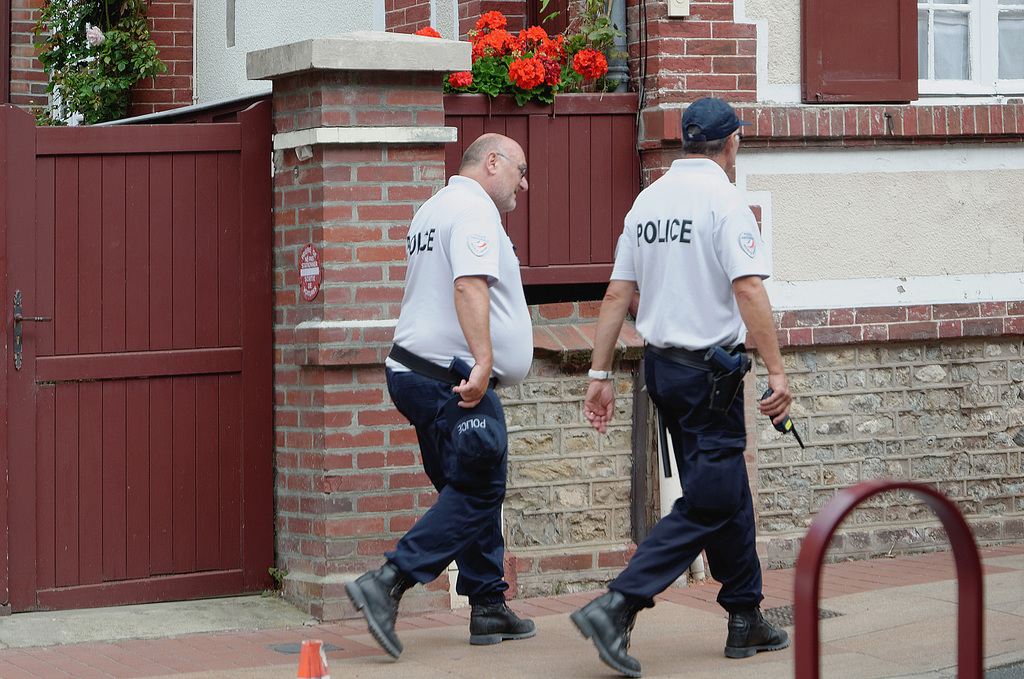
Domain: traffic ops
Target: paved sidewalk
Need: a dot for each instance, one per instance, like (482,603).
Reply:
(892,618)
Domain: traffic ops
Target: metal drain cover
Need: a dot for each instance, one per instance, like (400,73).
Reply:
(295,649)
(783,615)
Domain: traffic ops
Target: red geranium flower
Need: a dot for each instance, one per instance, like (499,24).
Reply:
(590,63)
(461,79)
(526,73)
(534,35)
(498,43)
(553,48)
(428,32)
(552,69)
(492,20)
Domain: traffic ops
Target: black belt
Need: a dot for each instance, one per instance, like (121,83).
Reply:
(422,366)
(692,359)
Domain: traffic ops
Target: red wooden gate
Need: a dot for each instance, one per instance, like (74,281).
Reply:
(139,456)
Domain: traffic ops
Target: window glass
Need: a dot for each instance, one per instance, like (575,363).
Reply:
(1011,44)
(922,46)
(971,47)
(952,46)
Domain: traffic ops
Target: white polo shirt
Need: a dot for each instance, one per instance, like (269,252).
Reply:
(688,236)
(456,233)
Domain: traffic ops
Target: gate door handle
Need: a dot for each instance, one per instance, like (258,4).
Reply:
(18,320)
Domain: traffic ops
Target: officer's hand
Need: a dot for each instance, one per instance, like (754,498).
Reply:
(473,389)
(776,406)
(599,404)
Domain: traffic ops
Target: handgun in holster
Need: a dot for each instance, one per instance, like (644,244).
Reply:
(726,376)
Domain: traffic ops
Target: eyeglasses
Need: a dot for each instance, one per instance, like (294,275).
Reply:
(521,168)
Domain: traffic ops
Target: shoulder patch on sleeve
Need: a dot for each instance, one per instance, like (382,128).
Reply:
(748,244)
(478,244)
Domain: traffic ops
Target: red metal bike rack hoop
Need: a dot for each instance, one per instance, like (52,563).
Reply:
(970,607)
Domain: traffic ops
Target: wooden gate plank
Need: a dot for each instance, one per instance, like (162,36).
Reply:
(257,464)
(66,483)
(45,423)
(137,247)
(136,364)
(89,240)
(600,204)
(46,469)
(581,189)
(113,243)
(90,483)
(160,247)
(183,461)
(229,269)
(230,439)
(65,257)
(161,501)
(229,263)
(208,451)
(137,499)
(114,481)
(137,337)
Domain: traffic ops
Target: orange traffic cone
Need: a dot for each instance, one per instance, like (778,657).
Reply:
(313,661)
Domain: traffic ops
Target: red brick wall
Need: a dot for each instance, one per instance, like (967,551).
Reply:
(406,16)
(899,323)
(349,481)
(28,82)
(704,54)
(469,13)
(170,24)
(514,11)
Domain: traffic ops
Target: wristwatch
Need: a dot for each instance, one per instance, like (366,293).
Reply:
(599,374)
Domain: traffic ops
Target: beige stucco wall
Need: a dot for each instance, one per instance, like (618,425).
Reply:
(884,224)
(220,68)
(779,36)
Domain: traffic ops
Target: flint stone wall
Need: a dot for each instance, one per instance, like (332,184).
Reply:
(567,511)
(949,413)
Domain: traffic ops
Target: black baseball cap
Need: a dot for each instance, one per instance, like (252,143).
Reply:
(715,118)
(478,433)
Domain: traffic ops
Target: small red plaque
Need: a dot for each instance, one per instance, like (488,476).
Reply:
(309,272)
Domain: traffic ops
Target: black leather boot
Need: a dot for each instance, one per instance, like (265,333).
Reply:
(377,594)
(494,623)
(749,633)
(608,621)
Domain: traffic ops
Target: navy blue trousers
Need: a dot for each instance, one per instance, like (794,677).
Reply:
(464,525)
(716,512)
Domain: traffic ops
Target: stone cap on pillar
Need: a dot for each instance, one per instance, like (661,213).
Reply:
(360,51)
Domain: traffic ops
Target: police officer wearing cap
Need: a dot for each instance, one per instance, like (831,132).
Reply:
(692,248)
(463,328)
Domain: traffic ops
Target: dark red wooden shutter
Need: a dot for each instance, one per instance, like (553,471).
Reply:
(863,51)
(556,25)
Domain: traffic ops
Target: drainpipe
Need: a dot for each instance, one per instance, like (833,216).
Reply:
(618,69)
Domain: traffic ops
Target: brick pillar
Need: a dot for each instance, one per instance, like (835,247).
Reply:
(358,146)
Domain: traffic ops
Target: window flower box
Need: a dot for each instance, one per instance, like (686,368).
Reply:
(584,172)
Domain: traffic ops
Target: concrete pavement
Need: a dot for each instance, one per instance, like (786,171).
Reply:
(891,617)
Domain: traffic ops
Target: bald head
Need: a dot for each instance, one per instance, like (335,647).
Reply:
(498,164)
(485,144)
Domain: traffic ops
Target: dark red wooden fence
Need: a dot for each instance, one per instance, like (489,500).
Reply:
(139,448)
(584,174)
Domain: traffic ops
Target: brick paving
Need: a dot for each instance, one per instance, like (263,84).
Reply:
(224,651)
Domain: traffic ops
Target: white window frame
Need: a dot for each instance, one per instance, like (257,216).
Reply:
(983,30)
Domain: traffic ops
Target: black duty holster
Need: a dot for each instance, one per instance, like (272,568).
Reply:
(725,377)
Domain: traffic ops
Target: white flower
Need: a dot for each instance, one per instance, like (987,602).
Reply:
(94,36)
